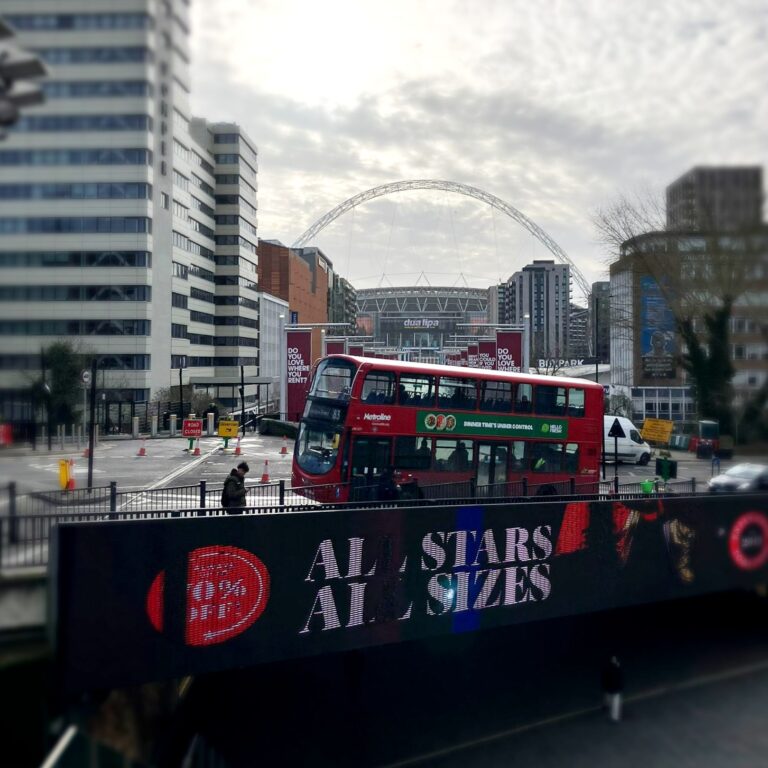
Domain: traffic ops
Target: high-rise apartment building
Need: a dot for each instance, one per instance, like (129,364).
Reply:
(126,226)
(542,291)
(717,199)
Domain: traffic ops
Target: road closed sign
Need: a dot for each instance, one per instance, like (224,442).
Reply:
(228,428)
(192,428)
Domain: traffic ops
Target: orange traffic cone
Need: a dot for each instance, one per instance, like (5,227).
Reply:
(284,448)
(196,452)
(87,453)
(143,449)
(238,452)
(265,473)
(71,481)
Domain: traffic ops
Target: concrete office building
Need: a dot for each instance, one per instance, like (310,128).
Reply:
(126,226)
(542,291)
(716,199)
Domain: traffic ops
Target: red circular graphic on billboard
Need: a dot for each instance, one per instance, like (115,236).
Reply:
(227,590)
(748,541)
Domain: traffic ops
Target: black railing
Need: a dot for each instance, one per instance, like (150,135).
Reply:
(26,520)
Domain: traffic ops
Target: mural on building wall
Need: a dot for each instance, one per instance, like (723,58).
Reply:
(658,346)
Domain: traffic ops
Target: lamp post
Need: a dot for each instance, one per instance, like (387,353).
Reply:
(181,389)
(597,325)
(526,343)
(283,375)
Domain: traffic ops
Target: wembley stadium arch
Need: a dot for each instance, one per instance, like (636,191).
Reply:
(461,189)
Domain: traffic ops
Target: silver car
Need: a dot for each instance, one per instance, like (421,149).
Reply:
(742,478)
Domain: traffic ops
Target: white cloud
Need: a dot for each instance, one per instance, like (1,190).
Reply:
(555,108)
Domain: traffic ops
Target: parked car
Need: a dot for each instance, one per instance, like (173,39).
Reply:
(744,478)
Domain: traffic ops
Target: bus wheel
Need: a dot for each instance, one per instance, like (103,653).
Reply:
(547,490)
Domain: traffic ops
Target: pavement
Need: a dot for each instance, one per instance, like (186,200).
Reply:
(167,461)
(708,723)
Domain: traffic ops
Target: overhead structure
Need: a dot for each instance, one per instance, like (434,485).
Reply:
(461,189)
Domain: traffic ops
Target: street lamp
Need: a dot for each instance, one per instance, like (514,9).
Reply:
(526,342)
(283,376)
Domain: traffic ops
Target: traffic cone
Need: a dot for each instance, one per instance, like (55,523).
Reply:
(284,448)
(265,473)
(143,449)
(87,453)
(238,452)
(71,481)
(196,452)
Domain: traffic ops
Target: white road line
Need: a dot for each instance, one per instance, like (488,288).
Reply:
(652,693)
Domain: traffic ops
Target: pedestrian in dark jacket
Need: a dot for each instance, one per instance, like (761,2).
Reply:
(387,489)
(233,495)
(613,686)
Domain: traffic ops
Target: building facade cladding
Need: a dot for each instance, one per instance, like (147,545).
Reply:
(716,199)
(541,290)
(579,343)
(87,162)
(636,315)
(427,318)
(342,302)
(301,277)
(273,316)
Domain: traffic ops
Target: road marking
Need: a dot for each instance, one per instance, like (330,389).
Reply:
(651,693)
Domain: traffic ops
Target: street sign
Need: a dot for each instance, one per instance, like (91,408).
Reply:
(657,431)
(192,428)
(616,429)
(228,428)
(85,377)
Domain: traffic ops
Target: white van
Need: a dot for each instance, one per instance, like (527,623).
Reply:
(631,448)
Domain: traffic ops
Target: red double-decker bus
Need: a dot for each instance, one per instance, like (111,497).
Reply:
(438,425)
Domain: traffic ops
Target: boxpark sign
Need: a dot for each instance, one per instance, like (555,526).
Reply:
(136,601)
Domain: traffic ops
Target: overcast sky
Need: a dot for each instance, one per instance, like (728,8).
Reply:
(556,108)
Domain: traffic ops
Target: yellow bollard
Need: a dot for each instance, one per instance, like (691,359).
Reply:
(64,474)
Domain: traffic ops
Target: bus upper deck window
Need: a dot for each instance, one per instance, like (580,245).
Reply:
(496,396)
(523,396)
(378,387)
(333,379)
(549,400)
(575,402)
(416,390)
(457,393)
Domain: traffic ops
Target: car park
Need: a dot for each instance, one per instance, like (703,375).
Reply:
(741,478)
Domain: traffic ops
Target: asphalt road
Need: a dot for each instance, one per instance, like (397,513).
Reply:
(167,463)
(696,674)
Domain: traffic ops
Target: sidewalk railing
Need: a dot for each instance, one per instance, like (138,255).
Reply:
(26,520)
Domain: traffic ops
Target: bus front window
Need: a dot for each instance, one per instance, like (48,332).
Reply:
(333,379)
(317,449)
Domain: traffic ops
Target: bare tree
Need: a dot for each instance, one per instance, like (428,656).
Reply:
(702,276)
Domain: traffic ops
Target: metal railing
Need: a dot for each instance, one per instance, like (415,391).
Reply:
(26,520)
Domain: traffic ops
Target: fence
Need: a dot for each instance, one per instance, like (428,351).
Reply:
(26,520)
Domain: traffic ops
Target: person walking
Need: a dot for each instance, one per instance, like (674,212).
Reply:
(234,491)
(613,687)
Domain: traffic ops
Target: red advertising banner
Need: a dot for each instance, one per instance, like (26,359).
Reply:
(299,361)
(192,428)
(335,346)
(509,350)
(357,350)
(472,350)
(463,358)
(486,355)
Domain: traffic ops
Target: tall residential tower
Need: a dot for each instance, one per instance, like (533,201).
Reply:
(126,226)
